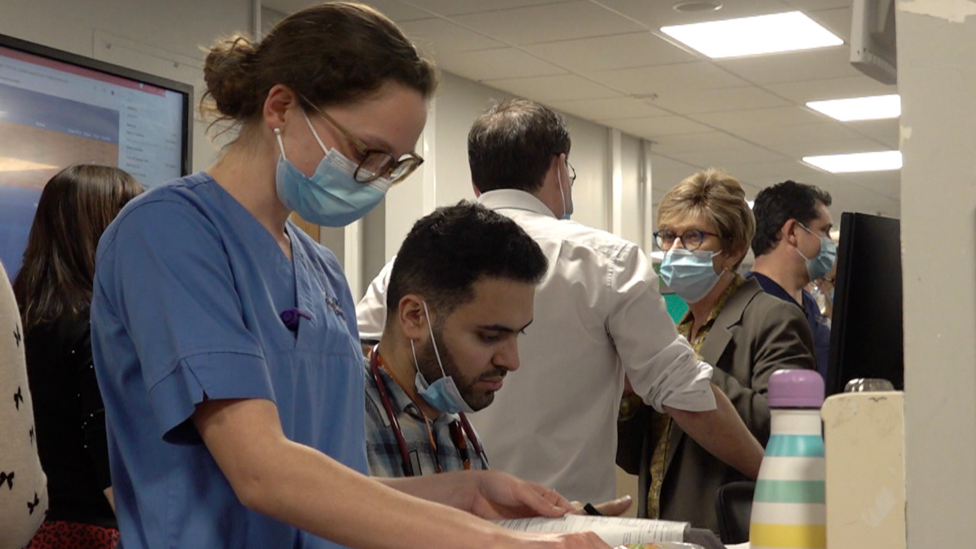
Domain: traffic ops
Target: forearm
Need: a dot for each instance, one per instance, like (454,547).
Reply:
(315,493)
(441,488)
(723,434)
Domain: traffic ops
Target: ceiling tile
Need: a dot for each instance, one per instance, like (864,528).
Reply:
(619,51)
(812,5)
(549,23)
(459,7)
(679,76)
(434,36)
(707,141)
(547,89)
(883,131)
(732,121)
(723,158)
(617,107)
(837,21)
(796,66)
(725,99)
(655,127)
(495,64)
(850,197)
(885,183)
(833,88)
(799,150)
(395,10)
(659,13)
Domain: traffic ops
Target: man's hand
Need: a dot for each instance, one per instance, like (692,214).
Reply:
(495,495)
(612,508)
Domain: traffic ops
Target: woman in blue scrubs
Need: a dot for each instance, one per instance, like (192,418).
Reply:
(225,339)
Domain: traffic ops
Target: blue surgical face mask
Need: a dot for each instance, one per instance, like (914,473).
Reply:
(331,196)
(819,265)
(690,274)
(443,393)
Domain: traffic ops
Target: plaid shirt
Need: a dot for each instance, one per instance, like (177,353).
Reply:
(381,445)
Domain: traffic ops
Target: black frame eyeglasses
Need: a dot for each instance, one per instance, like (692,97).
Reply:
(691,239)
(375,163)
(572,173)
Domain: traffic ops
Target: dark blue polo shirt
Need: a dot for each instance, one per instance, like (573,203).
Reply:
(818,324)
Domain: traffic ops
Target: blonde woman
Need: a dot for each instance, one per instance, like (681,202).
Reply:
(705,227)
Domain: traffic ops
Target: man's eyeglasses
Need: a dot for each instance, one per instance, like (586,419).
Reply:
(375,163)
(572,173)
(690,240)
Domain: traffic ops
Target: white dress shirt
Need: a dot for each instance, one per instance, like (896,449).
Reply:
(598,315)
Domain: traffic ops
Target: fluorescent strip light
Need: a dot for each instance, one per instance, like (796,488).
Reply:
(774,33)
(857,162)
(860,108)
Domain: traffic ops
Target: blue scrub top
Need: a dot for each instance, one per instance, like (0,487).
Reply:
(188,291)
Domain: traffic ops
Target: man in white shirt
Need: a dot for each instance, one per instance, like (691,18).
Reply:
(598,316)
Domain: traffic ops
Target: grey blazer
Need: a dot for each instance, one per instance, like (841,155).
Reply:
(754,335)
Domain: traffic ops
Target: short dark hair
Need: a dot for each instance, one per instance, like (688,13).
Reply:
(778,204)
(329,54)
(75,208)
(446,252)
(511,145)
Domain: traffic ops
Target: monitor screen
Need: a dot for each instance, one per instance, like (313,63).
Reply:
(866,338)
(58,109)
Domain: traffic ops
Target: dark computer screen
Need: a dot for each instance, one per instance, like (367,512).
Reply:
(58,109)
(866,326)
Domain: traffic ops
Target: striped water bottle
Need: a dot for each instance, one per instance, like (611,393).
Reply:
(788,508)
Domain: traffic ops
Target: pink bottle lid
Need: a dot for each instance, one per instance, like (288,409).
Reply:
(796,389)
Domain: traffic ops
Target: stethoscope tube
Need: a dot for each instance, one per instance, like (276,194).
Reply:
(395,424)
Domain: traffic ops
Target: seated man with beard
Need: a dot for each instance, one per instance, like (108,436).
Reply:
(460,293)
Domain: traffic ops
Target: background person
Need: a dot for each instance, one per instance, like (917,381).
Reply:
(460,296)
(598,315)
(54,291)
(23,485)
(705,227)
(793,247)
(224,337)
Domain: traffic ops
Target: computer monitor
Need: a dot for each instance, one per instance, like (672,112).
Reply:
(866,337)
(58,109)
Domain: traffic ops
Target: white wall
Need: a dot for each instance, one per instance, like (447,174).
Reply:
(936,80)
(162,38)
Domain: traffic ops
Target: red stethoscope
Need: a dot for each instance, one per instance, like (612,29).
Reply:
(456,427)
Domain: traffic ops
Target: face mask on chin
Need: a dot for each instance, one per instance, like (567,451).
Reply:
(443,394)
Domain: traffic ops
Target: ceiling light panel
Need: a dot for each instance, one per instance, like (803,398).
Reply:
(877,107)
(763,34)
(857,162)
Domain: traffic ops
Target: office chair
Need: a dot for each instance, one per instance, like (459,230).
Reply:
(733,507)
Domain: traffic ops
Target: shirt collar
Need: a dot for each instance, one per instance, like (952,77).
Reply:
(772,287)
(515,199)
(402,403)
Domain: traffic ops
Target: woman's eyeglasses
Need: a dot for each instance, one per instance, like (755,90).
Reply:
(690,240)
(375,163)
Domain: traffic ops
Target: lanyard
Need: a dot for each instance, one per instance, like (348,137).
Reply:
(456,426)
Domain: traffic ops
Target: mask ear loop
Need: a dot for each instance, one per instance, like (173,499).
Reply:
(314,133)
(434,343)
(281,145)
